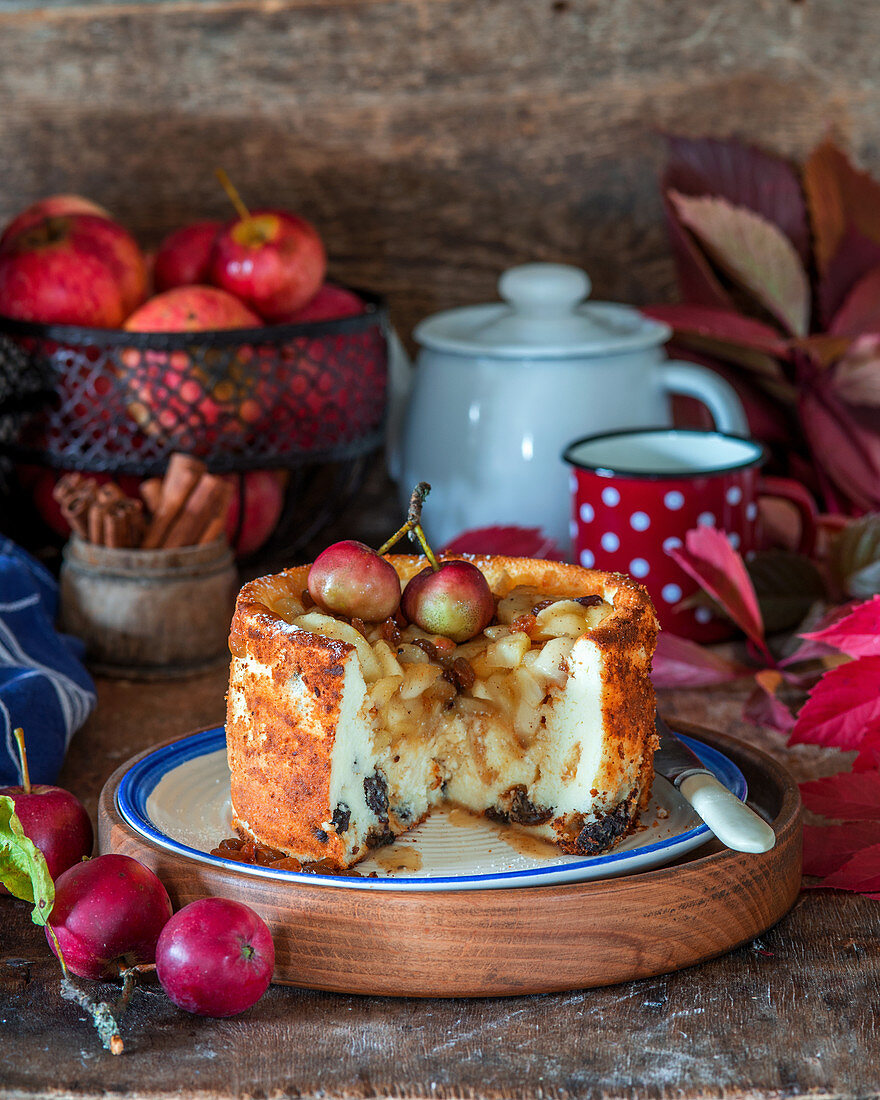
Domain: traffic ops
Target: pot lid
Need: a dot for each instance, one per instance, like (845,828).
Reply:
(544,315)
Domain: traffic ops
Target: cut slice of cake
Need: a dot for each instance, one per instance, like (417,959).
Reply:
(342,735)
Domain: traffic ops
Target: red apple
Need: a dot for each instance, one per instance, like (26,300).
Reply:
(108,914)
(180,398)
(78,269)
(330,303)
(272,260)
(184,257)
(259,500)
(192,309)
(56,821)
(50,207)
(215,957)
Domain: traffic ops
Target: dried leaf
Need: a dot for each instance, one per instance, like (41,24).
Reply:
(763,707)
(754,253)
(856,635)
(787,585)
(708,557)
(854,557)
(679,662)
(828,847)
(513,542)
(822,349)
(856,378)
(843,709)
(745,176)
(838,195)
(860,312)
(697,282)
(847,796)
(856,255)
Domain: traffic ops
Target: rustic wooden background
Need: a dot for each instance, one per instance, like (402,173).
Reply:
(433,141)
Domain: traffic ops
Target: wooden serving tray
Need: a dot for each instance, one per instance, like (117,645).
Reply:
(482,943)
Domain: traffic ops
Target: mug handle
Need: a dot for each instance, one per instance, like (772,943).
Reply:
(719,397)
(786,489)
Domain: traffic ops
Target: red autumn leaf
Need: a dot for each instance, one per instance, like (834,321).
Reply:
(857,635)
(754,253)
(860,312)
(743,175)
(720,324)
(809,649)
(828,847)
(838,195)
(763,707)
(847,796)
(847,453)
(861,874)
(855,256)
(843,708)
(697,282)
(513,542)
(679,662)
(708,557)
(856,378)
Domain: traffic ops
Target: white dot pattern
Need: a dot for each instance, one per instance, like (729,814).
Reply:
(639,567)
(572,482)
(674,500)
(587,559)
(587,514)
(671,593)
(640,521)
(751,510)
(672,543)
(610,542)
(734,494)
(702,614)
(572,529)
(733,539)
(610,496)
(706,519)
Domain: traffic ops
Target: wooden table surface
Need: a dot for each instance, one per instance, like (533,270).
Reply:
(794,1014)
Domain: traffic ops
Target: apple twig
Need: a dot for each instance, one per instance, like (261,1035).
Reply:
(232,194)
(413,525)
(101,1013)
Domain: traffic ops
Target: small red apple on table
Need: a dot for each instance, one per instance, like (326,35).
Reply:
(54,819)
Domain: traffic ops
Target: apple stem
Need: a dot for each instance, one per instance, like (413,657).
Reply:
(59,953)
(101,1013)
(413,525)
(232,193)
(18,734)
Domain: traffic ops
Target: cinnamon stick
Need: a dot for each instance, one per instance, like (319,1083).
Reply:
(180,479)
(96,523)
(151,493)
(207,500)
(76,511)
(217,524)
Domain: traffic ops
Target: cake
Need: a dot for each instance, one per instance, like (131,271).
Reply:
(343,735)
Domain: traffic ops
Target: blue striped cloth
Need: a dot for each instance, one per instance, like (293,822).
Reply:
(43,685)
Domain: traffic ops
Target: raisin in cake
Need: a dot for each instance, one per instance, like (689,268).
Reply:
(342,736)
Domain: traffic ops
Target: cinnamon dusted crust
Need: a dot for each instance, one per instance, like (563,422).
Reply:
(317,774)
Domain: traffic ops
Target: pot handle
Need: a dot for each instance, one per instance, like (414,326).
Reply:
(705,385)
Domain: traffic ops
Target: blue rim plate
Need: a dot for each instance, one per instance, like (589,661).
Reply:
(178,798)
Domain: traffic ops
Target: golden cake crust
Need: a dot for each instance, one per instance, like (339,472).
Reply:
(280,758)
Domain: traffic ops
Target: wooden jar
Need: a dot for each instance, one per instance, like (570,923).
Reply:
(149,613)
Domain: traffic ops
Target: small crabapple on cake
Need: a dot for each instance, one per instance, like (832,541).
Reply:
(343,733)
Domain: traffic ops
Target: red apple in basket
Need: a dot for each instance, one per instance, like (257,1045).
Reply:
(329,304)
(184,257)
(273,260)
(48,208)
(78,269)
(259,501)
(195,402)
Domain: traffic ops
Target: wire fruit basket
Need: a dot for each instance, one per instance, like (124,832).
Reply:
(309,398)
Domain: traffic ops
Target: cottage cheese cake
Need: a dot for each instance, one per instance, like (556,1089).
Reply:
(341,735)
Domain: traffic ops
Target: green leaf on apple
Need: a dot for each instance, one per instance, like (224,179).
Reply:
(23,869)
(753,252)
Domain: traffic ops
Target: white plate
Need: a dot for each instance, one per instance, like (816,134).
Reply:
(178,797)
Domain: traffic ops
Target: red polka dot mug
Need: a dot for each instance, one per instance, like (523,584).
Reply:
(636,493)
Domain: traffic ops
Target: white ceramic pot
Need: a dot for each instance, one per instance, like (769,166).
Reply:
(499,391)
